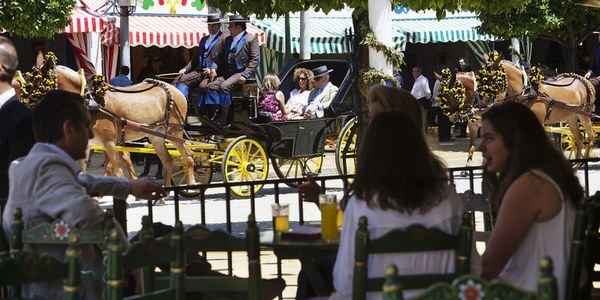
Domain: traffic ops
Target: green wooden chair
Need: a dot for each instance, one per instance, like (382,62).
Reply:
(30,267)
(415,238)
(473,287)
(200,239)
(57,232)
(584,249)
(146,255)
(473,203)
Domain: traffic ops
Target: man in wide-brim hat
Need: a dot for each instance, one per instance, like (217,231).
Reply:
(322,94)
(240,57)
(201,70)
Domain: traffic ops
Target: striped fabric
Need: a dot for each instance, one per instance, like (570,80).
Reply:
(83,20)
(327,31)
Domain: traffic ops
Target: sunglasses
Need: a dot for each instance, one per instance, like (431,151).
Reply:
(302,78)
(319,78)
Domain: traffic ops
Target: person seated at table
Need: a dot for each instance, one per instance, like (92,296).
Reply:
(323,93)
(296,104)
(271,103)
(396,186)
(537,193)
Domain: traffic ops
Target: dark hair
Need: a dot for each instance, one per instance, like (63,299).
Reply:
(8,59)
(52,110)
(530,148)
(241,24)
(396,169)
(124,70)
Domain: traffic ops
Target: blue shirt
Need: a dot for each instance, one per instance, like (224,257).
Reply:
(121,80)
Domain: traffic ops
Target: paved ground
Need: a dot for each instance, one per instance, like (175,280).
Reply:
(453,153)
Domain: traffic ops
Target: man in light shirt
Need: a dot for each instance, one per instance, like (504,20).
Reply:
(16,134)
(201,70)
(421,91)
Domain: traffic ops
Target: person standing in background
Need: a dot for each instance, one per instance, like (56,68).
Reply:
(421,91)
(122,79)
(16,133)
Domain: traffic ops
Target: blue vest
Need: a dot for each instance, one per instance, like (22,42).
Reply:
(203,55)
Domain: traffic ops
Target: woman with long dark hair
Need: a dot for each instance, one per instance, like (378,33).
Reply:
(536,191)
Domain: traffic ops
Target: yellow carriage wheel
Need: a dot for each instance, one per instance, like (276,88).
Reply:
(291,168)
(567,144)
(245,160)
(345,151)
(202,174)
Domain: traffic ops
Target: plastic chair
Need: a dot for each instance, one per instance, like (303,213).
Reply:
(29,267)
(473,287)
(414,238)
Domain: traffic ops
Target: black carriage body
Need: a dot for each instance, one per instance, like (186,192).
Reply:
(301,138)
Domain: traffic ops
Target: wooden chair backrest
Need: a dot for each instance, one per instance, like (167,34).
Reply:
(584,248)
(145,254)
(30,267)
(473,202)
(473,287)
(414,238)
(200,239)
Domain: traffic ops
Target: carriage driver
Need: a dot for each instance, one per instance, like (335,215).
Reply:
(201,70)
(239,58)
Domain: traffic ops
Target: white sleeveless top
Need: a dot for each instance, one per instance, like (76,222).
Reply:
(549,238)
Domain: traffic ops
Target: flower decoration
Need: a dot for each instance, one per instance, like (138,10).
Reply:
(535,75)
(61,230)
(471,291)
(451,89)
(36,85)
(491,80)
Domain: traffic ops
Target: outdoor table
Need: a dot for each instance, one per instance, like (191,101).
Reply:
(309,252)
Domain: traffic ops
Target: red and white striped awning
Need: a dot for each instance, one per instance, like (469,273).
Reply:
(173,31)
(83,20)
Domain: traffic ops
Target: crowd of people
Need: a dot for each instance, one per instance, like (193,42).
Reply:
(39,173)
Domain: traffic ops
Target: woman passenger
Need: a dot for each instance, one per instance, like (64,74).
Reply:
(537,192)
(303,80)
(272,101)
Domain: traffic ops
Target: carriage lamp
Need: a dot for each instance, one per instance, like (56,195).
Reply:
(592,3)
(127,7)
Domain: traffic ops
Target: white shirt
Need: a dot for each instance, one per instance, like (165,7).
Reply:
(421,88)
(446,216)
(6,95)
(236,39)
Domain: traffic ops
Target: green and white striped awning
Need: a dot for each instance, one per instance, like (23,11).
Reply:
(327,31)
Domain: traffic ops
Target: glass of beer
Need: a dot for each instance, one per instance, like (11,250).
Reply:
(328,205)
(281,215)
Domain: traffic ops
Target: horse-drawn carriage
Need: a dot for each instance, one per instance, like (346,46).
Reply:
(193,148)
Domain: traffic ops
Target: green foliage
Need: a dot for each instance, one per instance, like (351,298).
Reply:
(393,57)
(558,20)
(370,77)
(35,18)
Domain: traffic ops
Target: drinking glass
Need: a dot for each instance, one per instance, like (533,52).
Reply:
(328,205)
(281,221)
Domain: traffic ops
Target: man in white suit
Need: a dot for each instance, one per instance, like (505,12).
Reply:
(321,96)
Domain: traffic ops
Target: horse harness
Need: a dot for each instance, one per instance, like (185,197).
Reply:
(95,99)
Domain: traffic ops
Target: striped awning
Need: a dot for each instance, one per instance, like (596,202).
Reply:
(84,20)
(450,29)
(327,31)
(173,31)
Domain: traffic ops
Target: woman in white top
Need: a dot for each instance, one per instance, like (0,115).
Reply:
(398,182)
(536,191)
(303,80)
